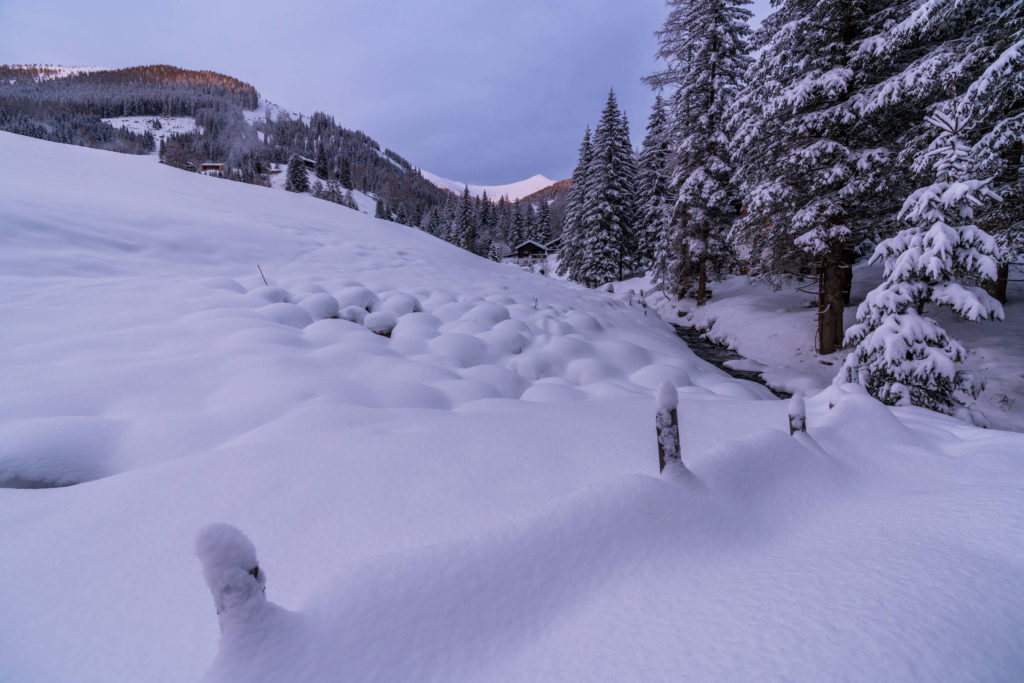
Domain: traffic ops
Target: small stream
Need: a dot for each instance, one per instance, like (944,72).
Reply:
(718,354)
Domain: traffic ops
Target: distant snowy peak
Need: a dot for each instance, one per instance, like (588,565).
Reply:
(511,191)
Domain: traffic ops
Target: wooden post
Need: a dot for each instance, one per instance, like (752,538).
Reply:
(797,415)
(232,571)
(666,420)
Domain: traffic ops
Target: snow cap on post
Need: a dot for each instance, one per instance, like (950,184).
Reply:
(668,397)
(666,421)
(797,414)
(230,567)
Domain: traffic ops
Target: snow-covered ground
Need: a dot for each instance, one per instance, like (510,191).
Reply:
(169,125)
(511,191)
(474,497)
(775,329)
(365,202)
(263,110)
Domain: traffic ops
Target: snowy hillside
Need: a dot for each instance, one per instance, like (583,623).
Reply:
(511,191)
(447,466)
(49,72)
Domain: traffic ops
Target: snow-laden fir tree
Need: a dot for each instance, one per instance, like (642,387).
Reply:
(653,179)
(296,179)
(907,67)
(609,204)
(822,127)
(529,222)
(903,357)
(345,174)
(464,226)
(543,225)
(503,220)
(483,218)
(382,210)
(517,225)
(494,252)
(994,117)
(705,48)
(321,168)
(571,249)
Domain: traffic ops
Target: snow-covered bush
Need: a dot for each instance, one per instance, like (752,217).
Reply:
(904,357)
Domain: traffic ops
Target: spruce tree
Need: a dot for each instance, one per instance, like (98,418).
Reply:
(321,169)
(704,44)
(463,227)
(609,201)
(494,252)
(903,357)
(484,213)
(543,229)
(517,225)
(345,173)
(570,252)
(530,223)
(296,179)
(503,221)
(382,210)
(994,117)
(654,204)
(833,116)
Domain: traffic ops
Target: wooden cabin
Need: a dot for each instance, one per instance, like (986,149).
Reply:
(528,253)
(208,166)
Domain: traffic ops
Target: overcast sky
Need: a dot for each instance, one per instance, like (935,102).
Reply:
(479,91)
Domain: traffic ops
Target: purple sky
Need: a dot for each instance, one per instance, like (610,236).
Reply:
(477,91)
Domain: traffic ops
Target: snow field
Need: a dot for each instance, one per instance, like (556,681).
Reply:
(169,125)
(593,586)
(474,497)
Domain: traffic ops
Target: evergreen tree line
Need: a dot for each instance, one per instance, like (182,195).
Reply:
(477,224)
(863,128)
(85,130)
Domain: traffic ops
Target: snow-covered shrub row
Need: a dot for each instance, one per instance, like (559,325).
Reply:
(460,348)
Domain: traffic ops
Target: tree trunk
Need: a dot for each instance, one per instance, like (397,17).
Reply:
(849,256)
(830,302)
(702,284)
(997,287)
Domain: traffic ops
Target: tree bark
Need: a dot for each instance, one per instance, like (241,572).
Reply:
(702,284)
(849,256)
(830,302)
(997,287)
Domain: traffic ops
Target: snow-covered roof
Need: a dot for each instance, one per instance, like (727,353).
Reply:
(537,244)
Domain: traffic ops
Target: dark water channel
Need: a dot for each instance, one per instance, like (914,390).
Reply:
(718,354)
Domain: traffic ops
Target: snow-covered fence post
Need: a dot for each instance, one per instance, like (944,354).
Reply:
(666,420)
(797,415)
(231,570)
